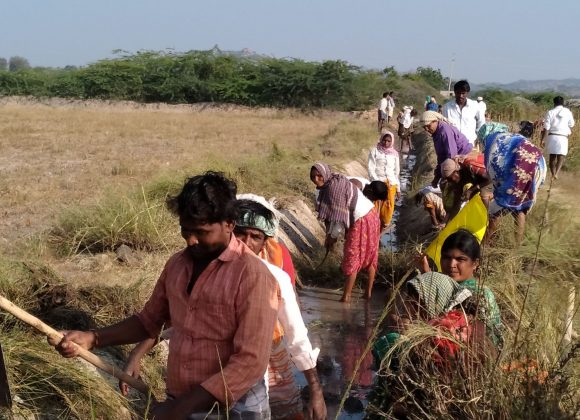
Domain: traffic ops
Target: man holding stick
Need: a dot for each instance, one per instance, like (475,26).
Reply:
(222,303)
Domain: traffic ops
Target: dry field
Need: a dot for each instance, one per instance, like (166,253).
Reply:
(62,165)
(53,158)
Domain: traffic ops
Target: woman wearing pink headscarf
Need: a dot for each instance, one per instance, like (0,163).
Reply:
(384,166)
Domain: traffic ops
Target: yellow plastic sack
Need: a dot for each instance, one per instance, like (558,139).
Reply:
(472,217)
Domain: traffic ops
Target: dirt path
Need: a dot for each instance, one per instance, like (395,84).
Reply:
(565,192)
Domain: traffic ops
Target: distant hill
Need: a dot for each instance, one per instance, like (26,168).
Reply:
(244,53)
(570,87)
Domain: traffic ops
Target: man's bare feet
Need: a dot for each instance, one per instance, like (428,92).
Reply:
(345,299)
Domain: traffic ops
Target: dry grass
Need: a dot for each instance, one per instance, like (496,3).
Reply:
(55,157)
(78,182)
(44,383)
(81,181)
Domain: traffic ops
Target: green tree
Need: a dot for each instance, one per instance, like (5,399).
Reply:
(17,63)
(3,64)
(432,76)
(390,72)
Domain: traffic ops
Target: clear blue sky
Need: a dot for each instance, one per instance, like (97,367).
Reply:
(492,40)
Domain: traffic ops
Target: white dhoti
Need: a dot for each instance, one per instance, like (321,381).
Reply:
(557,144)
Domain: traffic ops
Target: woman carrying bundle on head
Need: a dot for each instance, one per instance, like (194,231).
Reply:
(344,209)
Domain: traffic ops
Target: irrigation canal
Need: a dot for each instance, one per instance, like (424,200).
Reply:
(341,331)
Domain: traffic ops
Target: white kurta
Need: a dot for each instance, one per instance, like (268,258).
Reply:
(558,123)
(383,167)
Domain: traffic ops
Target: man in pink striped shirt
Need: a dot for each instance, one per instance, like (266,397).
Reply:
(222,303)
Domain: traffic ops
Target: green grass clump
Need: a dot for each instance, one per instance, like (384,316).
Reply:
(134,221)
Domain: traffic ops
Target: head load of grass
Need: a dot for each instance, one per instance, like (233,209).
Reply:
(534,374)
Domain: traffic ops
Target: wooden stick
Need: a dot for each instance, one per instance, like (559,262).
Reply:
(569,328)
(83,353)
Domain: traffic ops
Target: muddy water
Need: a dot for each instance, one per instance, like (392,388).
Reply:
(341,331)
(389,238)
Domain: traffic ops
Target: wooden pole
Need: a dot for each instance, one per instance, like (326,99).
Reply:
(83,353)
(569,328)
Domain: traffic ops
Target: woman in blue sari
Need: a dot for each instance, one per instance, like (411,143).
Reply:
(517,169)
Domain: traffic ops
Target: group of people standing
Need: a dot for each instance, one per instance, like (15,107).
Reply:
(385,110)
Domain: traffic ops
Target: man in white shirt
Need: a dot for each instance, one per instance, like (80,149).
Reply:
(557,127)
(464,113)
(390,106)
(382,111)
(482,105)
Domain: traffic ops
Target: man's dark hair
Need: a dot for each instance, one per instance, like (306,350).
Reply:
(558,100)
(464,241)
(391,92)
(526,128)
(385,94)
(207,198)
(378,190)
(253,209)
(462,86)
(419,197)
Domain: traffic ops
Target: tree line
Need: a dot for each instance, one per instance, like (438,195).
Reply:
(207,76)
(214,76)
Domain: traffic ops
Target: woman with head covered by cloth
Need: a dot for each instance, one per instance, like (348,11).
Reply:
(448,141)
(384,166)
(257,224)
(516,168)
(344,209)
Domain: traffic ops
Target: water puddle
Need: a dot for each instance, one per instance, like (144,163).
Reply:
(341,331)
(389,238)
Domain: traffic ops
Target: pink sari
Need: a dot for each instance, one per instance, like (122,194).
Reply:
(361,247)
